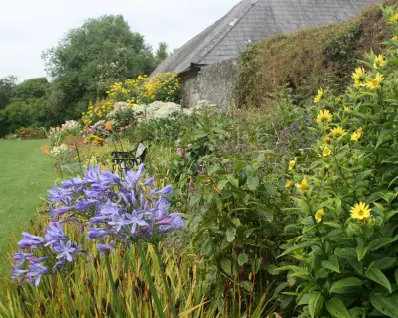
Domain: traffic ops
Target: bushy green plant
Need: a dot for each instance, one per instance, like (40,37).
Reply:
(342,257)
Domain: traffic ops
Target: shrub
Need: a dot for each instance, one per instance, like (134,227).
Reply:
(31,133)
(121,115)
(143,90)
(97,111)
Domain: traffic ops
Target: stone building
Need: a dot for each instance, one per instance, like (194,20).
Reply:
(207,64)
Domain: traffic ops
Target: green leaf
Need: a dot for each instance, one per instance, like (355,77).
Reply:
(221,184)
(252,182)
(336,308)
(297,247)
(231,233)
(346,252)
(361,252)
(316,303)
(211,169)
(377,276)
(382,136)
(386,305)
(346,285)
(332,263)
(242,259)
(396,275)
(233,180)
(385,262)
(226,266)
(247,285)
(378,243)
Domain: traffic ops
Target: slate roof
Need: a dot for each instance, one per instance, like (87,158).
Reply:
(252,20)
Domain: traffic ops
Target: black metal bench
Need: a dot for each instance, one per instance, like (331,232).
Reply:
(126,160)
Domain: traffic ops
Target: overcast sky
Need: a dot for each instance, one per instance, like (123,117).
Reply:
(27,27)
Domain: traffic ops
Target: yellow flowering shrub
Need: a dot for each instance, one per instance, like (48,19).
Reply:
(97,111)
(346,197)
(163,87)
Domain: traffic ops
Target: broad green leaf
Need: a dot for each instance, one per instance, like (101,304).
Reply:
(346,252)
(233,180)
(336,308)
(252,182)
(211,169)
(231,234)
(315,303)
(226,266)
(378,243)
(297,247)
(221,184)
(386,305)
(382,136)
(385,262)
(346,285)
(242,259)
(377,276)
(332,263)
(361,251)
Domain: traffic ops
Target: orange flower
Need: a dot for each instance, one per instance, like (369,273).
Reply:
(108,126)
(45,149)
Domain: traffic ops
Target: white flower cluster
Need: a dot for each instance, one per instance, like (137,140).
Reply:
(157,110)
(121,115)
(60,151)
(202,107)
(70,125)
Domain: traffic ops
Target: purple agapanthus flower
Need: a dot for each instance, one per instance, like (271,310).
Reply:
(34,260)
(105,248)
(30,241)
(171,222)
(54,233)
(61,210)
(16,272)
(97,233)
(35,273)
(20,258)
(65,250)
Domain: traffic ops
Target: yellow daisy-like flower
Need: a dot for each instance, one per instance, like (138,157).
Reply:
(319,215)
(318,97)
(292,163)
(303,185)
(357,134)
(379,61)
(393,19)
(360,211)
(324,117)
(346,108)
(359,77)
(395,38)
(288,184)
(326,152)
(326,139)
(376,82)
(338,131)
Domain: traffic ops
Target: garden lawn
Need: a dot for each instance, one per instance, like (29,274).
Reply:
(25,176)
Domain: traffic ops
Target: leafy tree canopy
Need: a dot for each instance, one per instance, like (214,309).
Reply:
(31,88)
(90,57)
(6,86)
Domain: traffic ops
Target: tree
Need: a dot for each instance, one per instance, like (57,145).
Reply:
(31,88)
(7,84)
(91,57)
(161,52)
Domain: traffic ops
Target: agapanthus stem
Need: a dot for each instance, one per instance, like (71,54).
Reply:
(150,281)
(112,283)
(68,297)
(166,284)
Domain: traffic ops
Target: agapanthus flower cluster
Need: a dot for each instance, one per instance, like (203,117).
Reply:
(46,255)
(117,210)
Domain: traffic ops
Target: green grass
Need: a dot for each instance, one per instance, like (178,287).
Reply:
(25,176)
